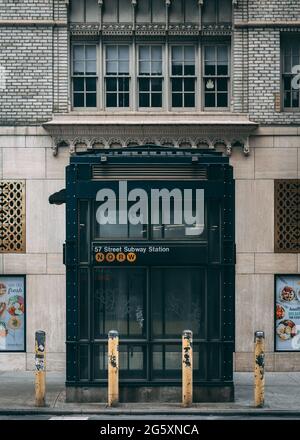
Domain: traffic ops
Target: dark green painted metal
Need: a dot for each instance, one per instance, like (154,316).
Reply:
(220,187)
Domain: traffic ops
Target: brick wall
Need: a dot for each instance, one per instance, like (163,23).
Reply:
(27,10)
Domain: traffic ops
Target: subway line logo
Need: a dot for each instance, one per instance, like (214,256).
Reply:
(119,257)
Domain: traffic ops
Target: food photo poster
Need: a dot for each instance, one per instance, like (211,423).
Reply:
(287,321)
(12,313)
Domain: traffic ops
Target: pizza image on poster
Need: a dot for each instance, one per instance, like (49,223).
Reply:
(12,313)
(287,312)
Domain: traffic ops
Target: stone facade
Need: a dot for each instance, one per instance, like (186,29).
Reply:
(35,57)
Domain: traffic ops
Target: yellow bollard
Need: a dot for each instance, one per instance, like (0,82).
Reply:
(113,368)
(259,369)
(40,368)
(187,368)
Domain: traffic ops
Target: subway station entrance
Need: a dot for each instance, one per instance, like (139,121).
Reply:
(149,252)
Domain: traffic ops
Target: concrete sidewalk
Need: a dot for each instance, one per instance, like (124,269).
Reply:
(17,397)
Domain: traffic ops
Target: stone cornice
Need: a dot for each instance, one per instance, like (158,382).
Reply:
(267,23)
(82,132)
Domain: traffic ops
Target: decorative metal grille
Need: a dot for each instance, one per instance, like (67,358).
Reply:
(12,216)
(287,215)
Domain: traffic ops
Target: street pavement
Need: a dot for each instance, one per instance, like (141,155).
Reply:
(282,400)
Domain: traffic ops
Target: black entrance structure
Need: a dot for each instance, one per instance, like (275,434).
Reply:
(149,282)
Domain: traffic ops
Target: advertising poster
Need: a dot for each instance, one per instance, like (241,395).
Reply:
(12,313)
(287,319)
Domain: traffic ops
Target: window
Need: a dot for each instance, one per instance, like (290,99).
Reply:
(117,76)
(291,73)
(216,75)
(12,216)
(84,75)
(183,76)
(150,76)
(287,216)
(217,11)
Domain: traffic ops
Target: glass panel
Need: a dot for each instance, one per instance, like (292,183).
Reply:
(287,99)
(144,52)
(222,84)
(176,12)
(225,11)
(123,67)
(178,301)
(177,85)
(144,85)
(90,84)
(222,100)
(156,85)
(156,53)
(156,68)
(189,53)
(120,301)
(78,100)
(167,359)
(78,52)
(91,100)
(77,11)
(92,11)
(90,52)
(112,53)
(112,68)
(123,53)
(111,101)
(90,67)
(78,84)
(287,64)
(295,98)
(189,100)
(209,11)
(83,362)
(144,67)
(83,304)
(131,360)
(144,100)
(84,219)
(176,100)
(189,85)
(210,100)
(143,11)
(124,100)
(177,53)
(123,84)
(111,84)
(79,68)
(156,100)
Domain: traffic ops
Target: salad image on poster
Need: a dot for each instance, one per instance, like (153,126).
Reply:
(287,319)
(12,313)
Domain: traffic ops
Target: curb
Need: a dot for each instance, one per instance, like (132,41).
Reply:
(138,412)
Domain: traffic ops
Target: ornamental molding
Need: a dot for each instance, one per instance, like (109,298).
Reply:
(84,137)
(117,29)
(84,29)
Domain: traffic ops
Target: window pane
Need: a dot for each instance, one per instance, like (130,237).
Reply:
(144,85)
(91,67)
(189,100)
(177,69)
(222,85)
(112,53)
(112,68)
(177,53)
(90,84)
(144,100)
(144,52)
(222,54)
(189,69)
(91,100)
(123,68)
(222,100)
(287,64)
(156,85)
(111,84)
(78,100)
(79,68)
(156,100)
(120,301)
(176,85)
(189,85)
(111,101)
(210,100)
(210,84)
(209,54)
(189,53)
(176,100)
(78,84)
(156,53)
(124,102)
(173,312)
(222,69)
(78,52)
(295,98)
(90,52)
(123,84)
(287,99)
(156,68)
(144,67)
(123,53)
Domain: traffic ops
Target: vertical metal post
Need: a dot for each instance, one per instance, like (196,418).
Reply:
(40,368)
(187,368)
(113,368)
(259,369)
